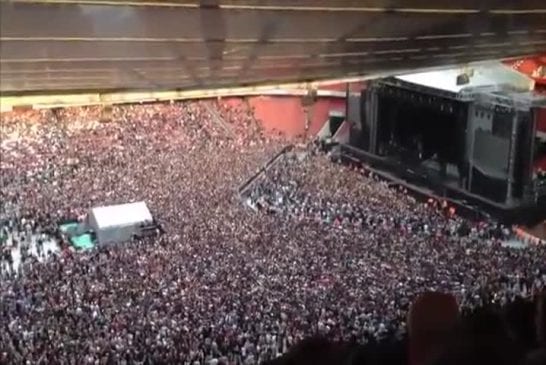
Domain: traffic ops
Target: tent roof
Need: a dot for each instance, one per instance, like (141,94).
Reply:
(121,215)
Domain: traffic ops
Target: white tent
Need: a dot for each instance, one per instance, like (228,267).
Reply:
(117,223)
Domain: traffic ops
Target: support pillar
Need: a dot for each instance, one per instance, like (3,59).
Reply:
(371,117)
(470,140)
(512,158)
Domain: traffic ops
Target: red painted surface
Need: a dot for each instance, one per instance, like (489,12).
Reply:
(281,114)
(532,67)
(321,110)
(286,114)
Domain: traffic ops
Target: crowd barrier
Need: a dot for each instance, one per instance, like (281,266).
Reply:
(248,183)
(395,174)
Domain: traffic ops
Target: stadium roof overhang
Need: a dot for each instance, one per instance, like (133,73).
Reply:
(53,46)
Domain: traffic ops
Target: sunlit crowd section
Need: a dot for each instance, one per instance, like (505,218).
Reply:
(315,248)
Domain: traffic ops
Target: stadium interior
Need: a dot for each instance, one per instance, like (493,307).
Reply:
(218,182)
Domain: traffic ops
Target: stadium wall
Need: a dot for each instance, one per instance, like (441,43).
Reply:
(286,114)
(45,101)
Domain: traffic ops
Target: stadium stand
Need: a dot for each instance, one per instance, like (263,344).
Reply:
(264,246)
(331,252)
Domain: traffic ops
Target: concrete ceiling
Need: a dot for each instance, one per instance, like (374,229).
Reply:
(76,45)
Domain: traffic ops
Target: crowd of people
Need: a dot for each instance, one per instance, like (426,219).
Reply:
(329,250)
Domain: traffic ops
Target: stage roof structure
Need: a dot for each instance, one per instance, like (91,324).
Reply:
(53,46)
(484,77)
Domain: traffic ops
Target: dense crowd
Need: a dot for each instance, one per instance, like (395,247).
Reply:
(331,251)
(310,188)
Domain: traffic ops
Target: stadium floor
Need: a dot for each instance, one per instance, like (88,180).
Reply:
(50,248)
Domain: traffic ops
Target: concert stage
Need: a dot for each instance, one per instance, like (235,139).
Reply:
(469,136)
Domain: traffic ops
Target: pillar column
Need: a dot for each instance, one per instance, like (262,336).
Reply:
(512,157)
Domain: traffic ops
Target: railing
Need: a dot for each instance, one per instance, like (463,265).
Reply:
(243,189)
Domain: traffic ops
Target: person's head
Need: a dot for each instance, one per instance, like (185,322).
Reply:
(537,357)
(481,338)
(431,319)
(519,321)
(540,319)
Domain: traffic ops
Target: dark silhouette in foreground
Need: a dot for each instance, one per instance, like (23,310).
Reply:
(439,335)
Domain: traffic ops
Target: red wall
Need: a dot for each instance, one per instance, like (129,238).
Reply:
(530,66)
(286,114)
